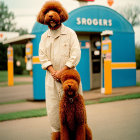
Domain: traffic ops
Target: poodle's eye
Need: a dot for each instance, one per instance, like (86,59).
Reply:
(46,12)
(57,11)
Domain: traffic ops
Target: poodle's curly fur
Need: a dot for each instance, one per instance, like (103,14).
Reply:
(70,74)
(73,120)
(59,13)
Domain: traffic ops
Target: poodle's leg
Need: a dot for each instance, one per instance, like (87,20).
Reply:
(56,136)
(64,132)
(80,132)
(88,133)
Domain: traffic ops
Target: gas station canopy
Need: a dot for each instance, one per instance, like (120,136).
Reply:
(19,40)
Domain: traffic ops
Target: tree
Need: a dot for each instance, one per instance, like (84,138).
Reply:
(131,13)
(6,18)
(22,31)
(3,57)
(138,55)
(7,24)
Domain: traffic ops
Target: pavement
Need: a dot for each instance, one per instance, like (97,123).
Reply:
(25,92)
(109,121)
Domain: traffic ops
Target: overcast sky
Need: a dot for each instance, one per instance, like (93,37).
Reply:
(26,10)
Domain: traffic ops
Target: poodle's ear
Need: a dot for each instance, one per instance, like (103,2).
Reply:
(63,15)
(40,17)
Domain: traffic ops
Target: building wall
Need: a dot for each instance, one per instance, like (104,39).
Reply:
(38,72)
(123,47)
(84,65)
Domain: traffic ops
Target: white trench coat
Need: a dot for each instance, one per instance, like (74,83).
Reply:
(57,48)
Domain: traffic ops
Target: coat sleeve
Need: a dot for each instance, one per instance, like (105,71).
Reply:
(75,51)
(44,60)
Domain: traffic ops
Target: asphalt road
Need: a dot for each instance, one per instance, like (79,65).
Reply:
(108,121)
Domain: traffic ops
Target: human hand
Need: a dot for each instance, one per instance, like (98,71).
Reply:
(52,71)
(58,75)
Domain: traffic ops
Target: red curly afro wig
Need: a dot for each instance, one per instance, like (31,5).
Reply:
(55,6)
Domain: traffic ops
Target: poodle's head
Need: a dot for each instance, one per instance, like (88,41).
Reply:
(70,80)
(52,14)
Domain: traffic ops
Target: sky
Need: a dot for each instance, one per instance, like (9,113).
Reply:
(25,11)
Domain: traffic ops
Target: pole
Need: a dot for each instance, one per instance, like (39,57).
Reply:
(10,66)
(106,53)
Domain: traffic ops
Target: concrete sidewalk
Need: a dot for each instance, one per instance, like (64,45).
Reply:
(108,121)
(96,94)
(25,92)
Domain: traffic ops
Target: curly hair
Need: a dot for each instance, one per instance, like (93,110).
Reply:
(70,74)
(52,5)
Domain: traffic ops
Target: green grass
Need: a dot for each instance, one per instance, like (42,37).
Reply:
(138,84)
(13,102)
(115,98)
(42,112)
(23,75)
(23,114)
(3,76)
(89,102)
(121,97)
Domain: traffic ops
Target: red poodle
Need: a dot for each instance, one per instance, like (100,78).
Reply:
(72,109)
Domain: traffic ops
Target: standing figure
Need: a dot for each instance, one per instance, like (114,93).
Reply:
(59,50)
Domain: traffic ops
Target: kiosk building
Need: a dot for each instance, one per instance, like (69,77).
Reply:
(89,22)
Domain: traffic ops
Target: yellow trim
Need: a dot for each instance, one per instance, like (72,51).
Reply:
(10,73)
(36,60)
(10,66)
(123,65)
(114,65)
(107,77)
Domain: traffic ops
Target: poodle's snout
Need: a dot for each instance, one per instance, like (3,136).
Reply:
(69,86)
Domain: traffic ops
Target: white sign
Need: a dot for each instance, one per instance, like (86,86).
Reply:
(94,21)
(96,52)
(29,63)
(97,43)
(7,35)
